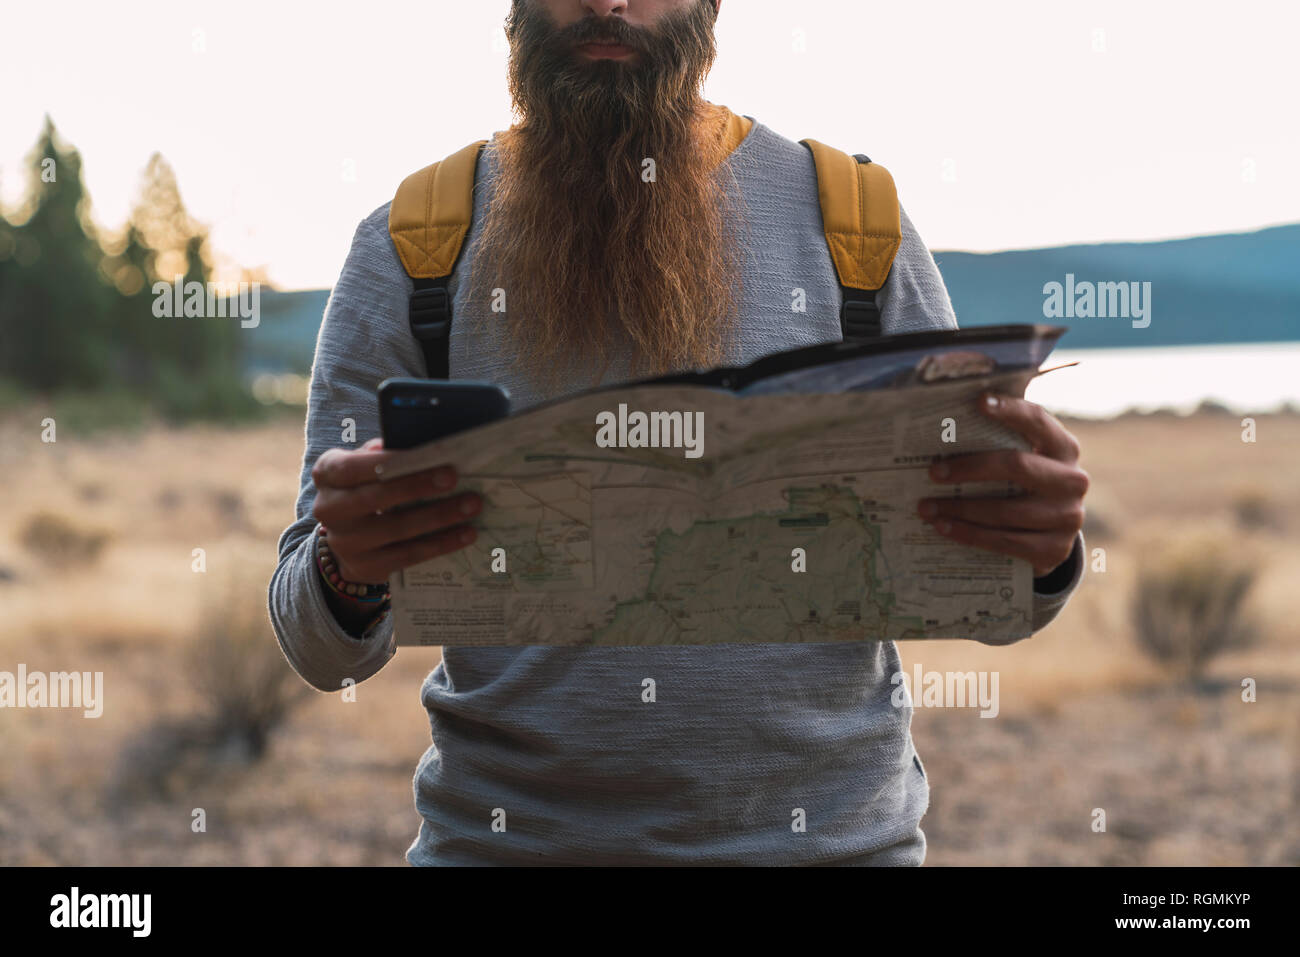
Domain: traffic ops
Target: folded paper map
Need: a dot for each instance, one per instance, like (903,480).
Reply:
(775,502)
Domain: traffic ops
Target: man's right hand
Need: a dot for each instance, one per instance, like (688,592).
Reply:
(369,540)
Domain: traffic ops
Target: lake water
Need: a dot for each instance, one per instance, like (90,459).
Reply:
(1256,377)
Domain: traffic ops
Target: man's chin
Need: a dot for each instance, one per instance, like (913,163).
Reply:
(604,85)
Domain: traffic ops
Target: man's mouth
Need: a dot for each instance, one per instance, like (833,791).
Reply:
(606,51)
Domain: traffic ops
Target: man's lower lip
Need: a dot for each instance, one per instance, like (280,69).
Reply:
(615,51)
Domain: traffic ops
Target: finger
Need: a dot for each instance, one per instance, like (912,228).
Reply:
(1043,550)
(375,443)
(397,557)
(347,468)
(1030,470)
(1027,512)
(1043,430)
(340,507)
(380,531)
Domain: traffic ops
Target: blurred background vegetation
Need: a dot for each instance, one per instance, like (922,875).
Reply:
(76,304)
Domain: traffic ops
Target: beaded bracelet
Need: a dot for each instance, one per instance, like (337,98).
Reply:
(329,570)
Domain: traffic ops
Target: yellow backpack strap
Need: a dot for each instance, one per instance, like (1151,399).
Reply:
(428,222)
(863,231)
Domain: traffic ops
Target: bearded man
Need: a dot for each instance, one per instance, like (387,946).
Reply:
(610,276)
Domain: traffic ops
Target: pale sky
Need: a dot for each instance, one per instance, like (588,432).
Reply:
(1007,124)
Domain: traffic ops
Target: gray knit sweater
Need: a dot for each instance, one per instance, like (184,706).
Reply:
(551,755)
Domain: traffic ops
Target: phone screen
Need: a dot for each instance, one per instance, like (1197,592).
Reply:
(415,411)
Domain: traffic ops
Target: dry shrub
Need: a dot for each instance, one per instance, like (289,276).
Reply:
(236,665)
(1096,525)
(1190,605)
(1253,508)
(244,689)
(1105,517)
(60,541)
(229,506)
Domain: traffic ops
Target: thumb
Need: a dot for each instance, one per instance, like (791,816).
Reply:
(373,445)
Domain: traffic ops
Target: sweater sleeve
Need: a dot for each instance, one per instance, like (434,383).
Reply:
(363,340)
(913,299)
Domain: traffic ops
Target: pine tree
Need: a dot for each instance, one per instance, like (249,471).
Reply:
(53,324)
(129,270)
(197,360)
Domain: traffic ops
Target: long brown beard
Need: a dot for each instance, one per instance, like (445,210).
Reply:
(592,257)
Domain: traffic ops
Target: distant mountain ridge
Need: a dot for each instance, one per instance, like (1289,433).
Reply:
(285,338)
(1238,287)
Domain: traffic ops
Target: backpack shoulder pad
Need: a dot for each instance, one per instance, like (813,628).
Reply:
(860,215)
(431,213)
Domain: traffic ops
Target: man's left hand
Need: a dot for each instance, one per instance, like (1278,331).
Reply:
(1039,526)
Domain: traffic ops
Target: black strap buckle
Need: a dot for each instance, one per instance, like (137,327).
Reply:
(860,319)
(430,313)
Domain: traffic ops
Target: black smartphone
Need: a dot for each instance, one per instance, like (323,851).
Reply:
(415,411)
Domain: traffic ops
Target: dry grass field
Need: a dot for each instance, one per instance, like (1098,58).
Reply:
(97,537)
